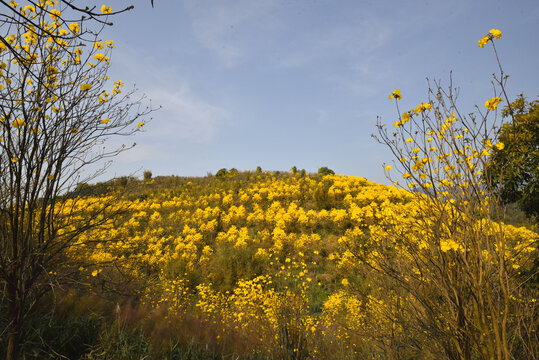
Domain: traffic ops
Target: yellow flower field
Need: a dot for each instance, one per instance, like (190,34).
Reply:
(272,263)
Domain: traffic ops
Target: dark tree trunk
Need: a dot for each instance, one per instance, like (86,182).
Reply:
(13,345)
(14,341)
(15,322)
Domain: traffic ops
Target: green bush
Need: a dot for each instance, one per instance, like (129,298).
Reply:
(221,173)
(324,170)
(147,175)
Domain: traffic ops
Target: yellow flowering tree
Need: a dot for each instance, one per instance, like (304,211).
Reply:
(447,249)
(57,105)
(23,14)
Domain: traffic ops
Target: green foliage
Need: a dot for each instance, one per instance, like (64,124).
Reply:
(71,337)
(82,189)
(324,170)
(122,343)
(121,181)
(147,175)
(221,173)
(515,167)
(321,195)
(51,336)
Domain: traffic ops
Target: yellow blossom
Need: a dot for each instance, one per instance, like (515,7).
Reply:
(405,117)
(55,14)
(421,108)
(387,168)
(484,40)
(18,123)
(74,27)
(396,94)
(99,57)
(105,9)
(497,34)
(492,103)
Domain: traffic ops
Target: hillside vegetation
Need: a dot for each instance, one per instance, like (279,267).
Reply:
(266,264)
(254,265)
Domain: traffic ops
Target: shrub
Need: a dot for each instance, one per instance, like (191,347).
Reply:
(221,173)
(147,175)
(445,258)
(324,170)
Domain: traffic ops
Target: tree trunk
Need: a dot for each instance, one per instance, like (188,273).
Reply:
(13,345)
(15,321)
(14,340)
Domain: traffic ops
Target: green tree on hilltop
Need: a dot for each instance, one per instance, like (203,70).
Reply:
(324,170)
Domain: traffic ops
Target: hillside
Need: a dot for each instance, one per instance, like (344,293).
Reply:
(273,264)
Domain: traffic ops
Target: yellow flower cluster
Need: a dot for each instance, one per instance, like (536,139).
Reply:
(396,94)
(106,9)
(407,116)
(248,255)
(492,103)
(493,34)
(59,38)
(51,48)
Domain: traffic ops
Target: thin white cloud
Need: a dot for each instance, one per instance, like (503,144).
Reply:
(184,116)
(349,41)
(268,30)
(218,25)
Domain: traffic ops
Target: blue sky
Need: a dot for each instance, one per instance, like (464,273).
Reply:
(275,84)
